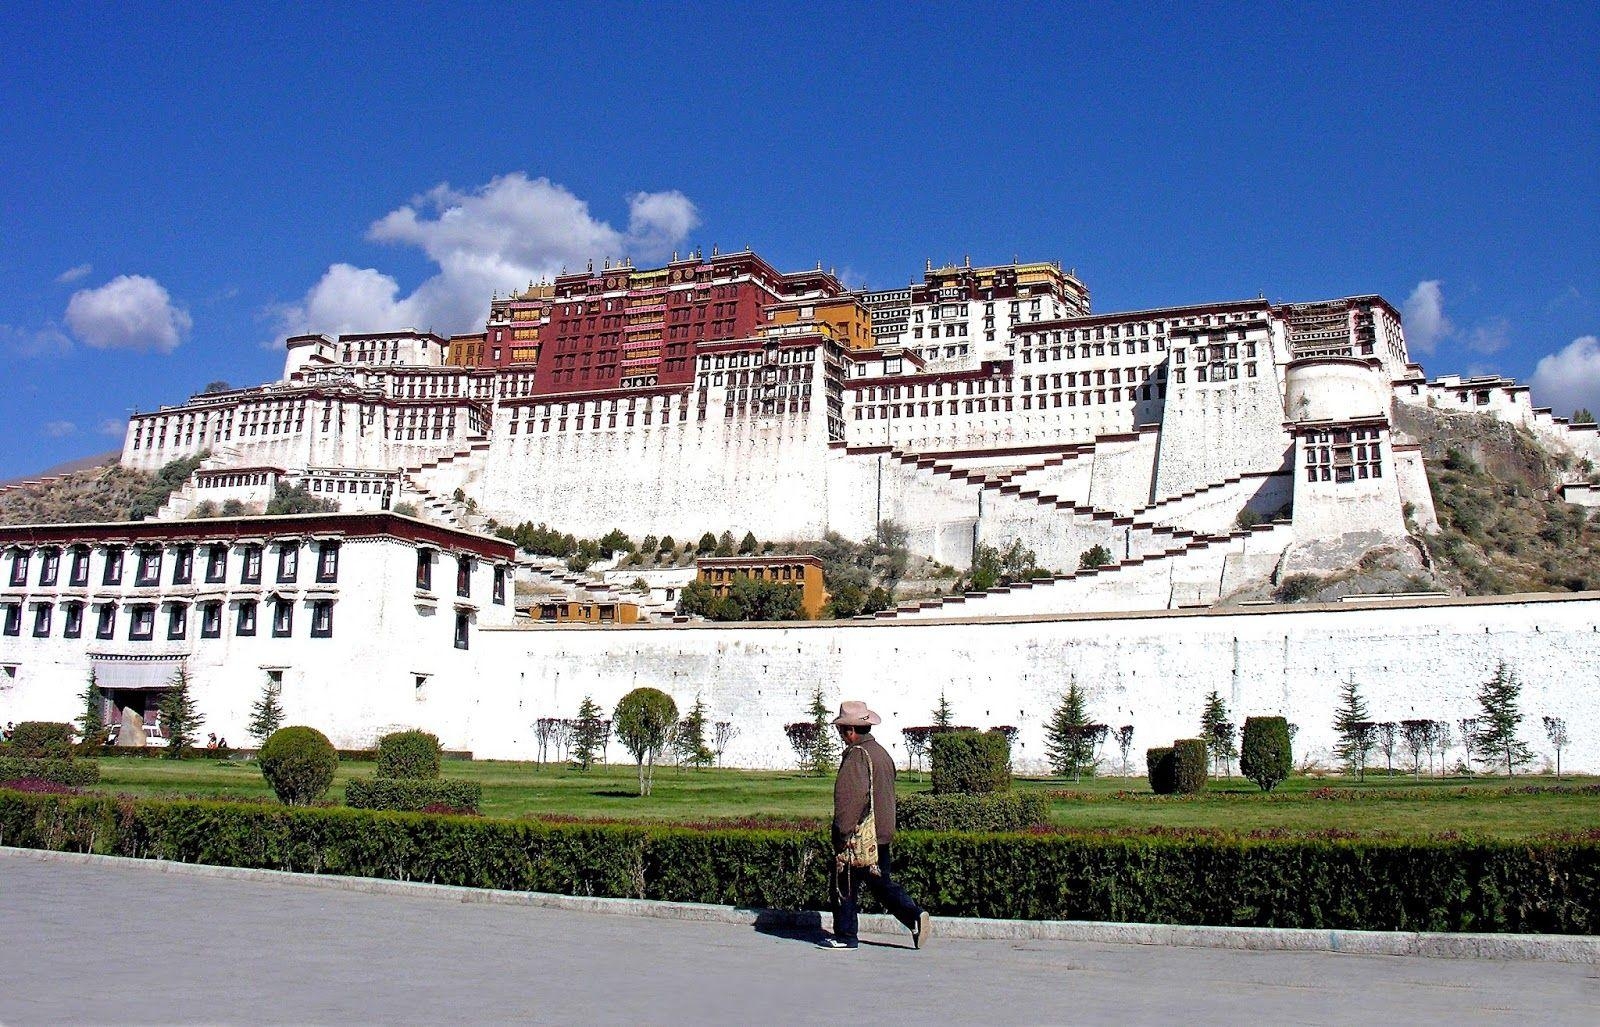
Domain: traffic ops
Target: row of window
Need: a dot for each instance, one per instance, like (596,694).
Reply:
(148,561)
(464,567)
(142,619)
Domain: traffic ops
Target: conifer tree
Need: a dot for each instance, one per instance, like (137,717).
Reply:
(748,544)
(1069,741)
(725,544)
(92,722)
(691,738)
(1354,730)
(1496,739)
(180,715)
(587,735)
(824,750)
(1217,731)
(943,718)
(266,716)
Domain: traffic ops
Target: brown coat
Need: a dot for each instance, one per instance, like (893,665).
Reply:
(850,791)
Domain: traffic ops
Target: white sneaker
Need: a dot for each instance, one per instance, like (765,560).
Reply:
(835,943)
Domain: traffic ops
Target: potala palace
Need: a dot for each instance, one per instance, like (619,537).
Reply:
(980,405)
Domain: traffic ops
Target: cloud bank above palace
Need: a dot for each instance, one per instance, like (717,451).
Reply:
(493,238)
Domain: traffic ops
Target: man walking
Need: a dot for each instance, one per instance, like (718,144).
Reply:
(866,780)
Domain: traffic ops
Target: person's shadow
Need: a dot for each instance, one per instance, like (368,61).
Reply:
(804,926)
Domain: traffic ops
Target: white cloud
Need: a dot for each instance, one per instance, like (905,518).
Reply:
(1490,337)
(494,238)
(128,312)
(72,274)
(1569,378)
(1425,322)
(59,429)
(48,341)
(114,427)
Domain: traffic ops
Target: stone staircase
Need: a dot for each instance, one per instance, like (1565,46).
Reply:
(430,486)
(1197,572)
(589,586)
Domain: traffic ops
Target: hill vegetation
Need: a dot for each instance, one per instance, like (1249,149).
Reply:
(108,493)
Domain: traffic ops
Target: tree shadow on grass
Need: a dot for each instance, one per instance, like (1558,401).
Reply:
(614,793)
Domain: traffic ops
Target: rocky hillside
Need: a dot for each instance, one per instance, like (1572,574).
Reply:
(1502,525)
(108,493)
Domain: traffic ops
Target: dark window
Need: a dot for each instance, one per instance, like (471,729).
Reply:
(106,623)
(19,567)
(41,620)
(142,622)
(328,562)
(49,566)
(322,618)
(148,570)
(216,564)
(282,618)
(288,561)
(80,566)
(252,566)
(461,629)
(211,620)
(500,586)
(113,569)
(425,569)
(13,619)
(183,565)
(246,625)
(464,576)
(72,627)
(177,621)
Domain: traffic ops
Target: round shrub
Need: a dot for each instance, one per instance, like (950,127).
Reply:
(409,756)
(971,763)
(1266,755)
(298,762)
(1159,762)
(1189,759)
(42,740)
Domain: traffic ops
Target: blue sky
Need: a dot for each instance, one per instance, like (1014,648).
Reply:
(181,187)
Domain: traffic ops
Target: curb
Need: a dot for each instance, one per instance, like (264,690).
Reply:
(1556,948)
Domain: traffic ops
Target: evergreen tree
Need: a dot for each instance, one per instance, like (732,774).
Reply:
(1217,731)
(1496,740)
(587,735)
(180,715)
(1069,739)
(92,722)
(691,738)
(1354,730)
(824,749)
(725,544)
(266,716)
(943,718)
(708,545)
(748,545)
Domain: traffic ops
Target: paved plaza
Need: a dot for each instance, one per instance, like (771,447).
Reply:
(113,942)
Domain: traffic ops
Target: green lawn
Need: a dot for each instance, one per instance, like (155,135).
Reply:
(1398,805)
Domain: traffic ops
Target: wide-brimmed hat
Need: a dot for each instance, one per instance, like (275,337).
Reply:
(855,714)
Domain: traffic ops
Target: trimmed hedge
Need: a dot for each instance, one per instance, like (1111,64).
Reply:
(1525,886)
(61,772)
(411,795)
(997,811)
(42,740)
(971,762)
(1189,761)
(409,755)
(1266,755)
(1162,770)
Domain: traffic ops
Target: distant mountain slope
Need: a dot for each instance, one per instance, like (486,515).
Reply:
(82,463)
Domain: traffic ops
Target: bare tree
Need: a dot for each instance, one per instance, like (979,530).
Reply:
(1418,737)
(543,731)
(722,733)
(917,744)
(1555,728)
(1388,742)
(1124,738)
(1469,735)
(561,735)
(1443,741)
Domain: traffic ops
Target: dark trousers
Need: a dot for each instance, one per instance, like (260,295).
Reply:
(847,885)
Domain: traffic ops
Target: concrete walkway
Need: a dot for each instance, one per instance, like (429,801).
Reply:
(106,942)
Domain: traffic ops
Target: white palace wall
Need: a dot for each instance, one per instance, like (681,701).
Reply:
(1413,660)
